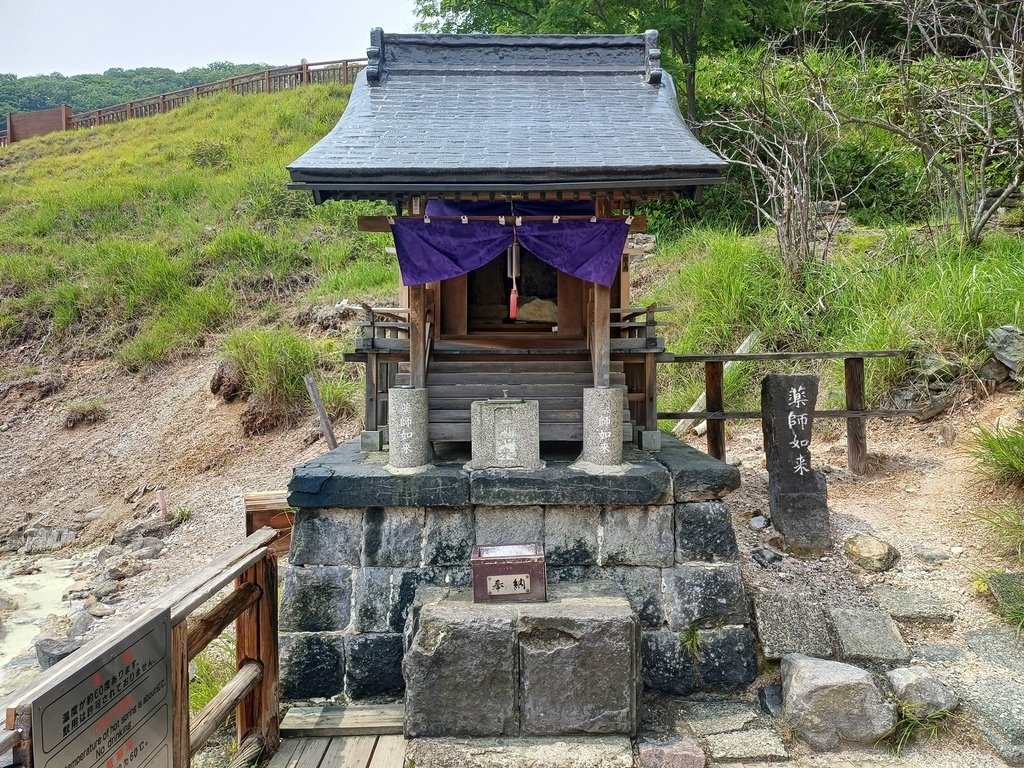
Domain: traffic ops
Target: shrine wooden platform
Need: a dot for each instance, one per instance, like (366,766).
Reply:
(341,752)
(342,737)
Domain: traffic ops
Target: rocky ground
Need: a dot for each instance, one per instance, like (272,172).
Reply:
(85,543)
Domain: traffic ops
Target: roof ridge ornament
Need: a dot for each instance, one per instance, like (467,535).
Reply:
(375,57)
(652,57)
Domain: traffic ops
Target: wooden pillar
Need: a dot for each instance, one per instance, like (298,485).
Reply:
(856,433)
(370,419)
(600,344)
(650,393)
(180,717)
(714,375)
(417,339)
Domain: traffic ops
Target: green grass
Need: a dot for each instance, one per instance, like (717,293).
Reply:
(214,668)
(999,453)
(912,726)
(889,291)
(272,363)
(141,239)
(1006,524)
(90,411)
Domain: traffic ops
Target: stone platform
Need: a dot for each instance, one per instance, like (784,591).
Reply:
(365,538)
(561,668)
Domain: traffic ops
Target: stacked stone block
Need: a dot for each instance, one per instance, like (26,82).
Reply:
(355,572)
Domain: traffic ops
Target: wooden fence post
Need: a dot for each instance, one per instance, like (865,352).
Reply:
(856,433)
(180,716)
(256,632)
(714,375)
(266,81)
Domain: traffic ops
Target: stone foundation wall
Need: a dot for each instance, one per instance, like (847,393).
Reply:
(354,573)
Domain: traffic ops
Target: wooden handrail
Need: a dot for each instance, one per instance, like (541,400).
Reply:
(216,712)
(253,690)
(208,627)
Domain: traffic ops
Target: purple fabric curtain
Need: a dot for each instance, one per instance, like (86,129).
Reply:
(443,249)
(589,250)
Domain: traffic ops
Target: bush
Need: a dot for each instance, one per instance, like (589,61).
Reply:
(1007,526)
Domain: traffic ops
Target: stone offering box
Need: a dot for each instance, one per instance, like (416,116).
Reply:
(509,573)
(368,540)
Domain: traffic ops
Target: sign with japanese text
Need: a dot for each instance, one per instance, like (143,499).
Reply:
(114,712)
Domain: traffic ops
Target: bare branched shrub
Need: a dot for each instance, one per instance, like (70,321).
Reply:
(956,94)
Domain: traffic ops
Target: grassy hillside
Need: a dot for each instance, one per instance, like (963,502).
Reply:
(137,239)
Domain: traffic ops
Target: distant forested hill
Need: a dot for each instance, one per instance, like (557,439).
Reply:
(85,92)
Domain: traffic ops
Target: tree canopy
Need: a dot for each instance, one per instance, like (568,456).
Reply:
(115,86)
(688,28)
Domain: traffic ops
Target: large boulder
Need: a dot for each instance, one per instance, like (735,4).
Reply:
(922,691)
(826,702)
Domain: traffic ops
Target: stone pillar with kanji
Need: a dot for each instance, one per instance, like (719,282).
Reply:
(797,497)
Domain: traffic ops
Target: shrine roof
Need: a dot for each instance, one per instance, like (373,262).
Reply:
(508,114)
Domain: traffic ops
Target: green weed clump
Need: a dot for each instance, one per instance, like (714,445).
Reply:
(270,365)
(86,412)
(1006,524)
(1000,453)
(912,726)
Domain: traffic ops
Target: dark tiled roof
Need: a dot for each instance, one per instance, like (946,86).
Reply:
(505,113)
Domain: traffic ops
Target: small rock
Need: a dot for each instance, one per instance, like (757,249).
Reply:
(149,528)
(24,569)
(758,523)
(705,718)
(146,548)
(50,650)
(46,539)
(957,551)
(80,624)
(868,634)
(766,557)
(107,552)
(827,701)
(931,555)
(910,604)
(791,624)
(124,568)
(770,698)
(994,371)
(674,752)
(105,588)
(922,691)
(760,744)
(1007,346)
(947,436)
(94,514)
(100,610)
(870,553)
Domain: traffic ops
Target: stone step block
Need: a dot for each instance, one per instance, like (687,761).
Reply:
(704,532)
(704,595)
(791,624)
(316,599)
(639,536)
(868,635)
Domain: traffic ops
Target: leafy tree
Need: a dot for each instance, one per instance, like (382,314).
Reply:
(689,28)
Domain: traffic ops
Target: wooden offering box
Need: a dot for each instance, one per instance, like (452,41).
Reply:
(509,573)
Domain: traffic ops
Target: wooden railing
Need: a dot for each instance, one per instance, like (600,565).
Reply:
(636,330)
(855,412)
(252,693)
(267,81)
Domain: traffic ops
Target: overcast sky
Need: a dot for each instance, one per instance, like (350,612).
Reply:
(76,36)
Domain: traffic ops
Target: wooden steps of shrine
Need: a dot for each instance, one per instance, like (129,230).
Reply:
(557,386)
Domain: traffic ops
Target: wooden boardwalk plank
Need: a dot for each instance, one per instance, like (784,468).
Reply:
(286,754)
(344,721)
(313,751)
(390,752)
(349,752)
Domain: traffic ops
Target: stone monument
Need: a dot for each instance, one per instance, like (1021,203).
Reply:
(506,434)
(797,497)
(602,426)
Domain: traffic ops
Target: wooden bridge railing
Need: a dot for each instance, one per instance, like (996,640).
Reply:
(266,81)
(855,412)
(252,693)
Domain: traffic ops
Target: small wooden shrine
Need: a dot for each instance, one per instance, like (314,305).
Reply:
(514,164)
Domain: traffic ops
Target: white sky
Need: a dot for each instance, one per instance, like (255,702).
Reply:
(85,36)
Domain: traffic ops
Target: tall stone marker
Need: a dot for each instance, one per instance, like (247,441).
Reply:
(797,496)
